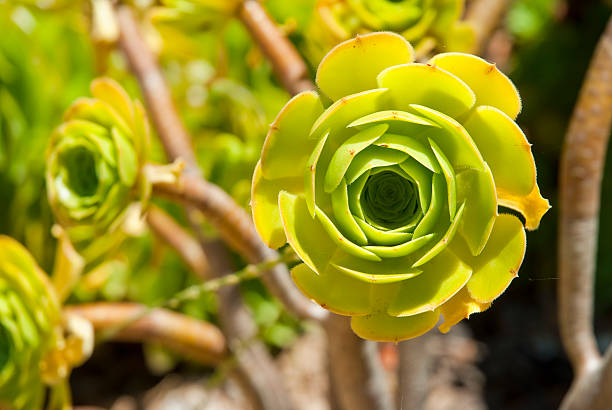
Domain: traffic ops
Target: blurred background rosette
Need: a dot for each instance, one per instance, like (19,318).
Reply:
(390,194)
(428,24)
(94,169)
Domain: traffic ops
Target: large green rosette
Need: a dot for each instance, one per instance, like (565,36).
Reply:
(426,23)
(390,195)
(34,354)
(94,166)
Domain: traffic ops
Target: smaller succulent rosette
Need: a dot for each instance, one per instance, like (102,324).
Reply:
(34,353)
(426,23)
(94,163)
(390,194)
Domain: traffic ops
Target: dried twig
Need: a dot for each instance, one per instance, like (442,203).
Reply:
(289,67)
(582,165)
(485,16)
(178,238)
(197,340)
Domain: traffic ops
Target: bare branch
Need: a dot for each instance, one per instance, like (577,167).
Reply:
(485,16)
(288,65)
(197,340)
(582,164)
(414,372)
(256,372)
(178,238)
(357,377)
(163,112)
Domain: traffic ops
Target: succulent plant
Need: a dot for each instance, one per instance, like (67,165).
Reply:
(390,194)
(33,351)
(94,162)
(424,22)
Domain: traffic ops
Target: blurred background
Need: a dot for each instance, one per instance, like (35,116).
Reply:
(509,357)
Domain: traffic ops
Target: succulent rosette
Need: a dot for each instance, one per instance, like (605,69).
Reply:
(94,162)
(426,23)
(32,348)
(390,194)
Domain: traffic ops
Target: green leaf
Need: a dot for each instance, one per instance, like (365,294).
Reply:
(127,162)
(342,241)
(403,249)
(453,140)
(346,110)
(477,189)
(385,328)
(442,277)
(352,66)
(335,291)
(310,176)
(343,216)
(412,147)
(444,240)
(490,85)
(498,263)
(346,152)
(306,235)
(379,278)
(264,205)
(373,157)
(449,176)
(382,237)
(428,86)
(287,146)
(505,148)
(432,215)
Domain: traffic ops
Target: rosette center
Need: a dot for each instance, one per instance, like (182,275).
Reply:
(80,174)
(389,200)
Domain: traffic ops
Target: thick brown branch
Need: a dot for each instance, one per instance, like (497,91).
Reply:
(582,165)
(414,372)
(357,376)
(256,372)
(178,238)
(199,341)
(288,65)
(485,16)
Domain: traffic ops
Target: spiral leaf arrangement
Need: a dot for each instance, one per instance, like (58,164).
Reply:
(33,350)
(390,195)
(94,162)
(420,21)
